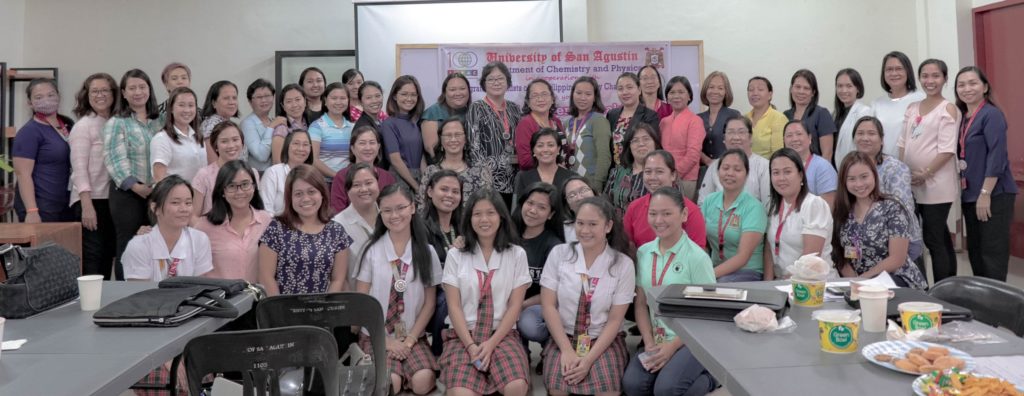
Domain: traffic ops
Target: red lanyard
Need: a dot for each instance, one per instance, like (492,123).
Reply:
(502,113)
(172,269)
(721,231)
(782,221)
(61,128)
(808,163)
(654,267)
(484,281)
(576,126)
(963,132)
(589,285)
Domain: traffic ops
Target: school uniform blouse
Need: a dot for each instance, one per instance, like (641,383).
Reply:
(258,138)
(184,158)
(377,270)
(844,138)
(510,271)
(714,134)
(683,263)
(683,135)
(821,176)
(984,149)
(588,148)
(612,281)
(818,122)
(767,133)
(758,182)
(334,140)
(527,127)
(147,258)
(745,215)
(235,255)
(489,147)
(359,230)
(619,127)
(787,228)
(925,136)
(87,170)
(272,187)
(640,232)
(892,112)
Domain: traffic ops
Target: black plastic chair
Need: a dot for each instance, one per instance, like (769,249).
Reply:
(261,355)
(992,302)
(331,310)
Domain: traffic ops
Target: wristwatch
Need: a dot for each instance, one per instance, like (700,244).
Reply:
(985,192)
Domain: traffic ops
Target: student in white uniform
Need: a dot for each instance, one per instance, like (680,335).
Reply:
(799,222)
(401,270)
(360,217)
(172,248)
(485,283)
(574,190)
(177,149)
(586,288)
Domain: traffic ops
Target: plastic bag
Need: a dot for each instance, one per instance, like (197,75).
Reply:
(758,319)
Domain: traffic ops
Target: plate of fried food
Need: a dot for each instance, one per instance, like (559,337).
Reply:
(915,357)
(955,382)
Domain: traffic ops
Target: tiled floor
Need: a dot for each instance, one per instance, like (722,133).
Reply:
(1015,277)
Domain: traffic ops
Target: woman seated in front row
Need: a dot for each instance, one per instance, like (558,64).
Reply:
(735,222)
(172,248)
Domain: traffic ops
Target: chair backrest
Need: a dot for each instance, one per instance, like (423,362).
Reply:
(992,302)
(261,355)
(330,310)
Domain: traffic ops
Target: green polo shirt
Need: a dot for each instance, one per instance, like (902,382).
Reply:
(745,215)
(690,265)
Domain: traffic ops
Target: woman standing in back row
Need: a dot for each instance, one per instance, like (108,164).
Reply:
(492,122)
(901,88)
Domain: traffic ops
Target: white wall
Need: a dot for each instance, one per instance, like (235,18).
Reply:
(12,31)
(224,39)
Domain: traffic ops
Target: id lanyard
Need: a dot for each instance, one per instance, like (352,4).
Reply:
(484,281)
(966,128)
(721,231)
(172,268)
(505,133)
(657,281)
(576,126)
(782,222)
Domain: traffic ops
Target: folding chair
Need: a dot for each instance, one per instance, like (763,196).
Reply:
(992,302)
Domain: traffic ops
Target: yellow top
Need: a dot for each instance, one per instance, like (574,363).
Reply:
(768,131)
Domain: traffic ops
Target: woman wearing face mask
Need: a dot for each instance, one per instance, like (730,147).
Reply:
(683,134)
(586,288)
(442,214)
(313,81)
(42,158)
(545,147)
(492,123)
(359,218)
(538,215)
(800,223)
(716,94)
(539,109)
(172,248)
(302,250)
(371,95)
(666,366)
(235,223)
(364,148)
(821,177)
(927,145)
(332,133)
(221,105)
(400,269)
(768,122)
(90,182)
(803,106)
(848,109)
(126,138)
(178,148)
(872,230)
(626,181)
(175,75)
(901,90)
(451,154)
(735,222)
(453,101)
(632,113)
(353,78)
(297,151)
(403,142)
(588,135)
(229,144)
(259,126)
(291,102)
(650,90)
(660,171)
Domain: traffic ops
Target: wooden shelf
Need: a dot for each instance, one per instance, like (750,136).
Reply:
(27,75)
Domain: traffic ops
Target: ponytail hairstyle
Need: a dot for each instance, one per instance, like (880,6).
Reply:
(422,261)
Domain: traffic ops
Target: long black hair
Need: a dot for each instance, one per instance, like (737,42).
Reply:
(506,237)
(439,146)
(430,211)
(568,215)
(123,109)
(908,68)
(776,200)
(422,264)
(221,209)
(960,104)
(616,237)
(213,94)
(554,223)
(841,110)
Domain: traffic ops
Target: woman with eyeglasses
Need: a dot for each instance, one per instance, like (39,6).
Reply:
(738,134)
(452,154)
(453,101)
(660,171)
(573,191)
(545,148)
(900,88)
(492,123)
(651,94)
(403,142)
(235,223)
(626,182)
(258,127)
(178,148)
(539,107)
(291,102)
(630,114)
(364,148)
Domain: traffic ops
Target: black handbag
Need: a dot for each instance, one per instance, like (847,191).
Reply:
(230,286)
(674,303)
(39,278)
(165,307)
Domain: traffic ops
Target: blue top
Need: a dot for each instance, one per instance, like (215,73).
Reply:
(52,155)
(818,122)
(402,136)
(821,176)
(334,141)
(714,135)
(984,149)
(257,141)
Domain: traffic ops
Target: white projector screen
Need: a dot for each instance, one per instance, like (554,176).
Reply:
(380,26)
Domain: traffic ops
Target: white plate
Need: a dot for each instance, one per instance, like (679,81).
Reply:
(920,381)
(900,349)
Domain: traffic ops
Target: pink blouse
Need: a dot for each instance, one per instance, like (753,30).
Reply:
(88,173)
(682,134)
(923,137)
(235,255)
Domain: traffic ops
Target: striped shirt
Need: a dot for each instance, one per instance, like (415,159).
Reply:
(126,150)
(334,141)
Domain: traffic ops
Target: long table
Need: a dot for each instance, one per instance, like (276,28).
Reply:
(66,354)
(792,363)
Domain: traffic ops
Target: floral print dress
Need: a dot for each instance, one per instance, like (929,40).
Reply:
(885,220)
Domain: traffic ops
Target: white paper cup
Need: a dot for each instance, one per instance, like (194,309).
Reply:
(2,320)
(874,301)
(90,288)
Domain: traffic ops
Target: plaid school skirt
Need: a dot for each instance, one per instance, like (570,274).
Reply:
(508,363)
(419,359)
(605,375)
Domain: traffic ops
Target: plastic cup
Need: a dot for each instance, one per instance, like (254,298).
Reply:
(874,302)
(2,320)
(808,293)
(90,289)
(837,330)
(919,315)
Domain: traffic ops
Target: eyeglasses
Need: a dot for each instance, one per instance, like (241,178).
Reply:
(540,95)
(582,192)
(452,136)
(245,186)
(100,92)
(641,140)
(897,69)
(495,80)
(391,211)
